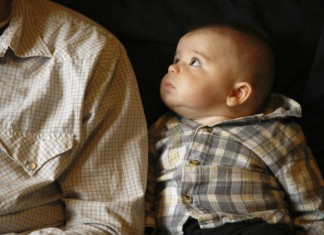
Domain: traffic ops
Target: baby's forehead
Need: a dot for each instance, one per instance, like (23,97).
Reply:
(219,30)
(212,39)
(219,35)
(205,34)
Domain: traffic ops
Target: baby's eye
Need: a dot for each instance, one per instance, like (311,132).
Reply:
(195,62)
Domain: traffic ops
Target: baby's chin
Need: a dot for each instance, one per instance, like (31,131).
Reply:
(181,111)
(168,102)
(178,107)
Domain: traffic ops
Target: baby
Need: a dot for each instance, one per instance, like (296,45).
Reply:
(228,157)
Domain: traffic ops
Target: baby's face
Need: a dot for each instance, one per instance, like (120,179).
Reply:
(202,75)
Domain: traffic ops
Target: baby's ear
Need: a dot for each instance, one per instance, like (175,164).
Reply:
(241,92)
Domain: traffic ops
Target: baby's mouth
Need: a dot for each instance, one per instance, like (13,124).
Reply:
(168,84)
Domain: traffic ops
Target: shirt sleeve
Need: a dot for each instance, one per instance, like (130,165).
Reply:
(104,188)
(301,178)
(156,133)
(150,208)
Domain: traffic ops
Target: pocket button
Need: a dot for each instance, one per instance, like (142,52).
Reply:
(31,166)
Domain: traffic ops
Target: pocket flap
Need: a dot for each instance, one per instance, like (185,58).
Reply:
(32,150)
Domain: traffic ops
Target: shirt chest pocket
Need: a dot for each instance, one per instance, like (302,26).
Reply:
(32,150)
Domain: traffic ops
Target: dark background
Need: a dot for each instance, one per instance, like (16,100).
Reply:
(150,30)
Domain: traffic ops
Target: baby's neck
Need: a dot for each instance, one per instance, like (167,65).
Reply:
(211,120)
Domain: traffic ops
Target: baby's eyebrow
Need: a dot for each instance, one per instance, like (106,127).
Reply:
(177,54)
(202,54)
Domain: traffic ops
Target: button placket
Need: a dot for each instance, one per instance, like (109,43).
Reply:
(193,162)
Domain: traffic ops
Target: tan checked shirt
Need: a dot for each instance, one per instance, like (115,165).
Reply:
(256,167)
(72,130)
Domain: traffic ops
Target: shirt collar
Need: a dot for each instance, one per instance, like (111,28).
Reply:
(22,35)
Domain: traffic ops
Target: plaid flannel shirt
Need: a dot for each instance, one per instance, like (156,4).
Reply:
(256,167)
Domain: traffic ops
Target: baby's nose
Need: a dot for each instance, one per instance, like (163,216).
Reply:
(173,69)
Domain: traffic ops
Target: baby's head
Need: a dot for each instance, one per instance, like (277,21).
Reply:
(219,72)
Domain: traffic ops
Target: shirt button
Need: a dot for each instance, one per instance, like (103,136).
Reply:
(207,129)
(187,199)
(194,162)
(31,166)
